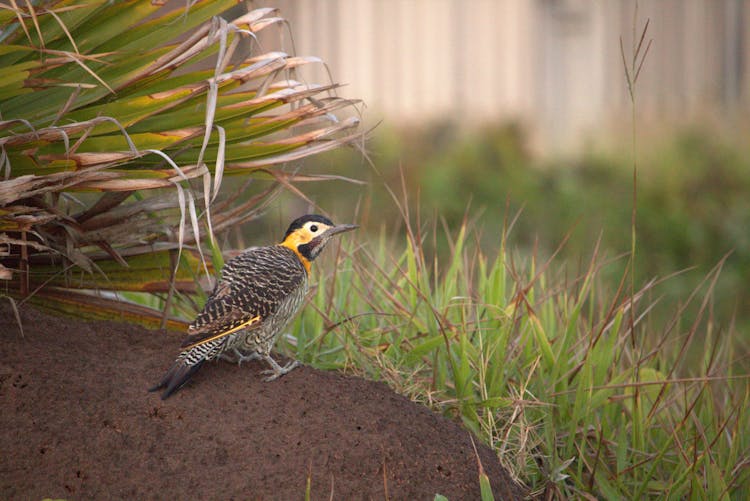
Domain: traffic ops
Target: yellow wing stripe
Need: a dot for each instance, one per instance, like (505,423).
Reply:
(243,325)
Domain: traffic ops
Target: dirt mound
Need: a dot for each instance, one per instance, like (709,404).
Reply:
(77,422)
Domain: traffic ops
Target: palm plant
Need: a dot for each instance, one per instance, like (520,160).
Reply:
(118,123)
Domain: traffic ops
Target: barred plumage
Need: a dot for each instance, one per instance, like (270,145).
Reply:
(258,293)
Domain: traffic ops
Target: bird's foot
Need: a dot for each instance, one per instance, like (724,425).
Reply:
(276,371)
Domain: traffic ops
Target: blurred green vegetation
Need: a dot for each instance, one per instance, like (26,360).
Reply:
(542,365)
(693,200)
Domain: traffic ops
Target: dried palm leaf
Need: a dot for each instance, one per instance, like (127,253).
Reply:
(119,122)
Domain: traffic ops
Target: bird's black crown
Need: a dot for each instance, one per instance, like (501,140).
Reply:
(300,222)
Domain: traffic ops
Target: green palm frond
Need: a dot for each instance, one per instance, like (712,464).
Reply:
(119,122)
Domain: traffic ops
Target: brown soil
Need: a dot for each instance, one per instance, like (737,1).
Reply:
(76,422)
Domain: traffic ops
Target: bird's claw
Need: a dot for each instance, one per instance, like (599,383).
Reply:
(276,370)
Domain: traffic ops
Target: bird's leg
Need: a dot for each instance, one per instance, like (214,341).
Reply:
(276,371)
(240,357)
(246,358)
(230,358)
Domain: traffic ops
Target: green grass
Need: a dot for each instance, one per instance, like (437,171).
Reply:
(538,360)
(692,198)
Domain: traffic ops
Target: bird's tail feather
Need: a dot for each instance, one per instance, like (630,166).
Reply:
(177,375)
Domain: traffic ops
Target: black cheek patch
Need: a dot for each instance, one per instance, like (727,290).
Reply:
(308,250)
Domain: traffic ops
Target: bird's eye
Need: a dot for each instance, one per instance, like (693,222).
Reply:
(314,228)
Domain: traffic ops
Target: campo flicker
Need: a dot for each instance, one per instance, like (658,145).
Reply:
(258,293)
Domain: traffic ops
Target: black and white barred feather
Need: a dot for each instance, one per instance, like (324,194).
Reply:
(258,293)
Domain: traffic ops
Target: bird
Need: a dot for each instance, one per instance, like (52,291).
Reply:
(257,294)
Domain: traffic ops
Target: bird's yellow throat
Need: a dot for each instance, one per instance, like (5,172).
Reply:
(293,241)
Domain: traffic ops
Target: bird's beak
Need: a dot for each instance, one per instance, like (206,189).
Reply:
(330,232)
(317,243)
(339,229)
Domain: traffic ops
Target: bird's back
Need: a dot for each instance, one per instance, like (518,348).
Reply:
(267,283)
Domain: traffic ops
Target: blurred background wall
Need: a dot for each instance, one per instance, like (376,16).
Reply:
(554,65)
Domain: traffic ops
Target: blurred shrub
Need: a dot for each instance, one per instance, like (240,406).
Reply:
(693,199)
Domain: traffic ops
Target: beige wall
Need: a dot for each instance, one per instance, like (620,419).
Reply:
(554,64)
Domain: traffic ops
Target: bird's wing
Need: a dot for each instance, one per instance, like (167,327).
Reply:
(251,288)
(224,327)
